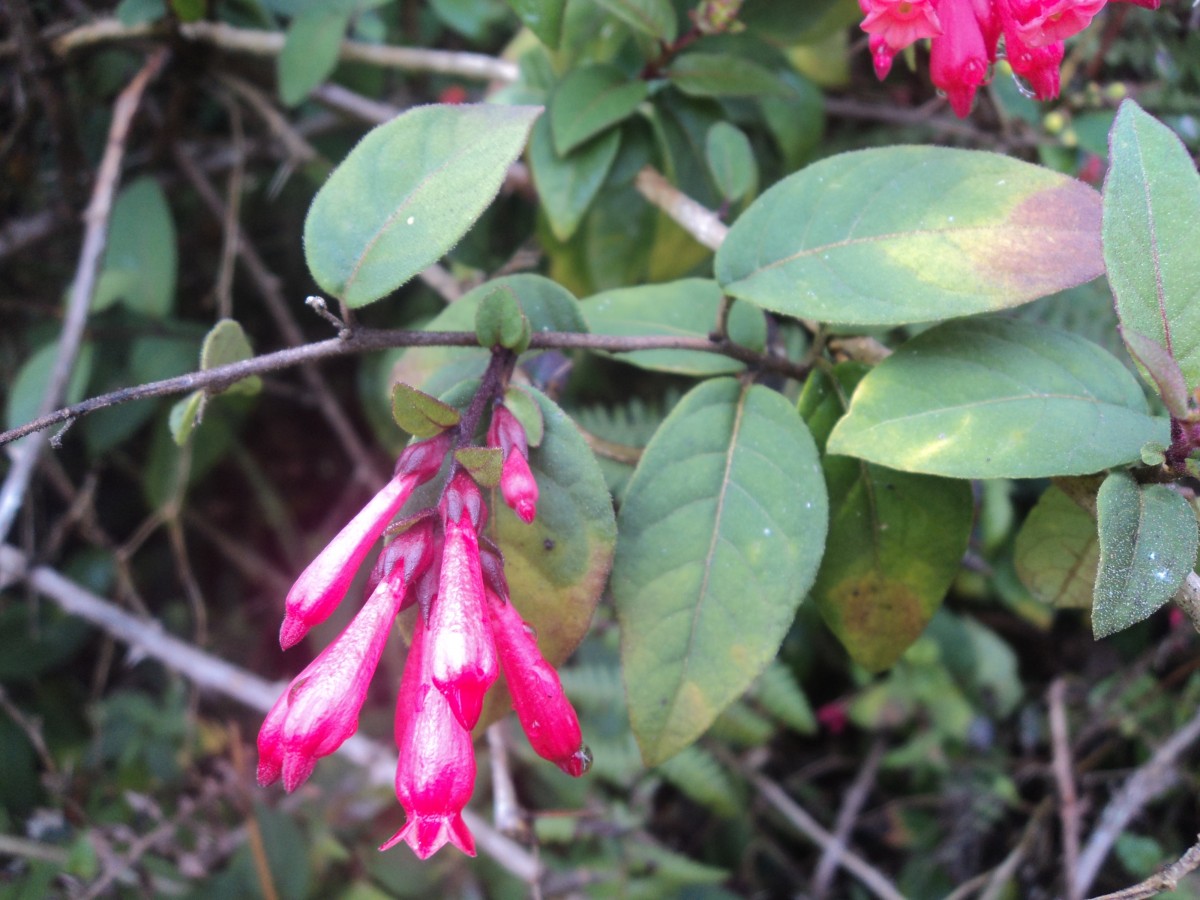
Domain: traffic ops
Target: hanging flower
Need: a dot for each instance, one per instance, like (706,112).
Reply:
(320,708)
(436,771)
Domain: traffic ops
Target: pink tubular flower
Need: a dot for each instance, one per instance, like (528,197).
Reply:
(436,772)
(320,708)
(517,484)
(462,655)
(321,587)
(959,60)
(1037,65)
(542,707)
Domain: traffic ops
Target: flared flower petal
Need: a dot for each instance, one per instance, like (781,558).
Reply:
(435,775)
(899,23)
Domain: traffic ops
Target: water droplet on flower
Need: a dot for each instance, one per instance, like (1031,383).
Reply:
(582,760)
(1023,87)
(531,631)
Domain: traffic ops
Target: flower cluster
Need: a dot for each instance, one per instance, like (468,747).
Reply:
(466,632)
(966,36)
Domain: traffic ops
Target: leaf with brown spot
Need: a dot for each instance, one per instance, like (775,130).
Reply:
(912,234)
(895,538)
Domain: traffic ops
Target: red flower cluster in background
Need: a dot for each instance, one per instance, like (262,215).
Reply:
(466,631)
(966,37)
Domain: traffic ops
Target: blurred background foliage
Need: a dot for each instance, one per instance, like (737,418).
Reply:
(121,779)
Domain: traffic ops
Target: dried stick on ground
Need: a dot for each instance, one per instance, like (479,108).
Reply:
(218,676)
(1148,782)
(852,805)
(1064,776)
(25,456)
(874,880)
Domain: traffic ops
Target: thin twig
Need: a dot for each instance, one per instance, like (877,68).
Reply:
(365,340)
(697,220)
(270,43)
(852,804)
(218,676)
(1160,882)
(95,238)
(1148,782)
(506,811)
(365,468)
(871,878)
(1064,776)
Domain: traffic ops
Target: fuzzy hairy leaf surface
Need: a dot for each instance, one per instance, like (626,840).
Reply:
(721,531)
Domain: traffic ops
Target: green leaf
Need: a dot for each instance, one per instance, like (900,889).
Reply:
(419,414)
(140,258)
(543,17)
(1151,207)
(1163,369)
(26,391)
(484,464)
(1148,543)
(720,536)
(909,234)
(310,50)
(998,398)
(686,308)
(499,321)
(895,540)
(590,99)
(548,307)
(184,415)
(189,10)
(567,185)
(721,75)
(655,18)
(778,692)
(1057,551)
(227,344)
(731,161)
(796,119)
(406,193)
(139,12)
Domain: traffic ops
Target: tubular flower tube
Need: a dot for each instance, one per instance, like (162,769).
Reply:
(320,708)
(1037,65)
(462,655)
(436,772)
(517,484)
(321,587)
(958,63)
(542,707)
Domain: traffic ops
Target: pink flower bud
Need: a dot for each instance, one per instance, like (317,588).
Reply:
(542,707)
(462,655)
(415,548)
(320,708)
(321,587)
(436,772)
(518,486)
